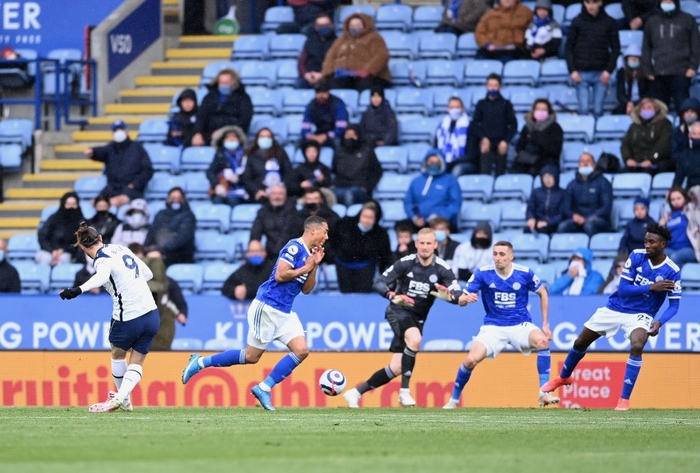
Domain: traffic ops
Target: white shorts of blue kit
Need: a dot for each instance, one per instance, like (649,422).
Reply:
(607,322)
(495,338)
(266,324)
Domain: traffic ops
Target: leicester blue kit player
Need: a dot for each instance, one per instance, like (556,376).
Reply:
(270,315)
(649,276)
(505,289)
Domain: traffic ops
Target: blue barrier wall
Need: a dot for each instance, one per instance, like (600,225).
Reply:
(332,322)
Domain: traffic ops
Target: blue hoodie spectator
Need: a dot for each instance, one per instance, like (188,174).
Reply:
(544,209)
(636,229)
(579,284)
(433,193)
(689,114)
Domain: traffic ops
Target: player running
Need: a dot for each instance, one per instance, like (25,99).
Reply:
(409,284)
(270,315)
(505,291)
(135,319)
(649,276)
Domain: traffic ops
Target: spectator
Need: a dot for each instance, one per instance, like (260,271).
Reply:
(544,209)
(228,166)
(267,164)
(637,12)
(8,53)
(327,114)
(85,273)
(472,255)
(446,245)
(632,83)
(682,247)
(433,193)
(314,203)
(181,125)
(104,221)
(493,128)
(500,32)
(277,220)
(592,48)
(356,168)
(9,277)
(127,166)
(378,124)
(462,16)
(243,283)
(670,52)
(57,235)
(579,279)
(588,200)
(646,146)
(136,225)
(613,281)
(452,139)
(633,236)
(172,232)
(688,165)
(361,246)
(541,140)
(317,44)
(311,173)
(690,111)
(404,241)
(359,59)
(305,12)
(226,104)
(543,35)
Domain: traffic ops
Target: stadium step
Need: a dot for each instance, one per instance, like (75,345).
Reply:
(99,136)
(212,41)
(105,123)
(80,165)
(34,194)
(21,210)
(26,223)
(171,11)
(52,180)
(69,152)
(200,53)
(178,68)
(167,81)
(138,108)
(148,95)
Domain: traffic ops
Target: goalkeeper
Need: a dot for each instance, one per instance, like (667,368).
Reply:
(411,284)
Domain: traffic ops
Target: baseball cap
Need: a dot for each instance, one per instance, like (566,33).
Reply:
(118,124)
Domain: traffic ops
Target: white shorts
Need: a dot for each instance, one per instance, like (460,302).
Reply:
(607,322)
(266,324)
(495,338)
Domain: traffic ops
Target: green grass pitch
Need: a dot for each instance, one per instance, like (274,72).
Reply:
(202,440)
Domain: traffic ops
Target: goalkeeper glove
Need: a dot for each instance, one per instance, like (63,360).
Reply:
(442,293)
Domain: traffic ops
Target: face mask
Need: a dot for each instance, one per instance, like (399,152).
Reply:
(2,256)
(540,115)
(454,113)
(119,135)
(355,32)
(351,143)
(364,229)
(633,64)
(324,31)
(256,260)
(440,235)
(102,213)
(668,7)
(231,145)
(225,89)
(492,93)
(481,242)
(265,143)
(175,206)
(647,114)
(690,119)
(434,169)
(312,207)
(136,220)
(585,170)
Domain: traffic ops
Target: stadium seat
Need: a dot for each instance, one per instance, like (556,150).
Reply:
(605,245)
(286,46)
(223,344)
(154,130)
(513,214)
(243,215)
(441,72)
(47,212)
(363,103)
(413,100)
(254,46)
(416,155)
(348,10)
(602,265)
(418,129)
(661,183)
(339,209)
(442,94)
(466,46)
(692,7)
(622,212)
(258,73)
(287,72)
(276,16)
(215,274)
(528,245)
(392,212)
(267,101)
(11,157)
(631,184)
(164,158)
(350,98)
(512,186)
(328,277)
(401,44)
(572,11)
(521,72)
(615,11)
(563,99)
(22,247)
(427,17)
(394,17)
(297,101)
(405,72)
(437,45)
(477,70)
(392,158)
(212,245)
(16,77)
(326,156)
(89,187)
(212,216)
(160,184)
(189,276)
(522,97)
(577,127)
(197,186)
(558,13)
(443,344)
(393,186)
(690,274)
(34,277)
(476,186)
(197,158)
(628,37)
(612,127)
(278,125)
(562,245)
(186,344)
(472,213)
(18,131)
(554,71)
(63,276)
(547,273)
(353,210)
(572,151)
(63,56)
(212,69)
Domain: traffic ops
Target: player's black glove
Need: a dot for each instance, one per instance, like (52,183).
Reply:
(70,293)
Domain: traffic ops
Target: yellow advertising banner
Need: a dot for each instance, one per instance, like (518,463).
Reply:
(80,378)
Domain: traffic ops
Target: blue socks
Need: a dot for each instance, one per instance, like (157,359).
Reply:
(544,363)
(461,381)
(226,358)
(571,361)
(282,369)
(634,364)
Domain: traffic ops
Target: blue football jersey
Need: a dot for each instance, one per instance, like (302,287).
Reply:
(505,299)
(640,272)
(280,295)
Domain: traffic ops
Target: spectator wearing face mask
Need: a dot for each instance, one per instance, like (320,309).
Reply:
(446,245)
(104,221)
(226,169)
(433,193)
(267,164)
(689,113)
(471,255)
(632,83)
(172,232)
(243,283)
(57,235)
(127,166)
(9,277)
(317,44)
(646,146)
(356,168)
(181,126)
(688,164)
(452,139)
(135,226)
(580,279)
(635,231)
(311,173)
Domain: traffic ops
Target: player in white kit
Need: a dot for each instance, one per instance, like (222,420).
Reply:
(135,319)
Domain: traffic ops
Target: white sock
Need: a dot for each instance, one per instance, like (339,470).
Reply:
(265,387)
(133,375)
(118,370)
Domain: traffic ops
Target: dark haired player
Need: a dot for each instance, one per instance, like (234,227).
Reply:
(649,276)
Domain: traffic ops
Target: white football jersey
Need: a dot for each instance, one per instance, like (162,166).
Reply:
(125,278)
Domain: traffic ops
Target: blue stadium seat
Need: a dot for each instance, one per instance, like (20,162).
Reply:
(611,146)
(350,98)
(197,186)
(34,277)
(441,72)
(251,47)
(15,77)
(692,7)
(528,245)
(442,94)
(212,245)
(622,213)
(89,187)
(259,73)
(163,158)
(416,155)
(577,127)
(521,72)
(287,72)
(547,273)
(241,239)
(154,130)
(11,157)
(353,210)
(326,156)
(393,186)
(47,212)
(437,45)
(401,44)
(243,215)
(63,276)
(363,103)
(615,11)
(562,245)
(160,184)
(572,11)
(477,70)
(631,184)
(294,122)
(690,274)
(348,10)
(392,212)
(558,12)
(276,16)
(404,72)
(660,185)
(605,245)
(418,129)
(522,97)
(197,158)
(472,213)
(286,46)
(296,102)
(268,101)
(554,71)
(186,344)
(211,70)
(572,151)
(278,125)
(392,158)
(628,37)
(427,17)
(467,46)
(563,98)
(394,17)
(18,131)
(22,247)
(212,216)
(189,276)
(49,69)
(612,127)
(215,274)
(512,186)
(413,100)
(476,186)
(513,214)
(328,277)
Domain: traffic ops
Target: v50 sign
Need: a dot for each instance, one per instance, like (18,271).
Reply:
(136,33)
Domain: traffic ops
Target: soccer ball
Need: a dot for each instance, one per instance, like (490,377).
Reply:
(332,382)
